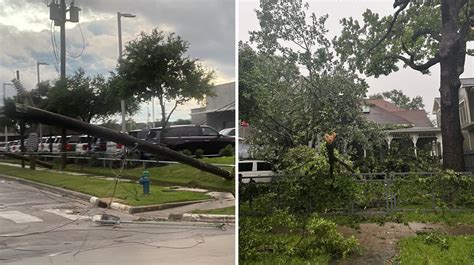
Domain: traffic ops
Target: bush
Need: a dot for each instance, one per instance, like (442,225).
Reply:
(284,235)
(227,151)
(199,153)
(186,152)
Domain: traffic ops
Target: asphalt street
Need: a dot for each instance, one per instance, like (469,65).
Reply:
(38,227)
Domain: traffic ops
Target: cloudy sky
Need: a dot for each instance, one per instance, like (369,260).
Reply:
(26,36)
(411,82)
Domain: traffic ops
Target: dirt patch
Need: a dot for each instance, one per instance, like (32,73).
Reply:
(379,243)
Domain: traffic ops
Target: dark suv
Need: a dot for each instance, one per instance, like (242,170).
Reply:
(191,137)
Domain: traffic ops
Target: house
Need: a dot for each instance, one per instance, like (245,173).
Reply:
(466,118)
(412,124)
(219,110)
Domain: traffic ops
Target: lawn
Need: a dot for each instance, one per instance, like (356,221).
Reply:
(437,249)
(449,218)
(130,193)
(224,211)
(174,174)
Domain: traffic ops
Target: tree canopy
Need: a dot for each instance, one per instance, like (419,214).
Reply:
(293,89)
(87,98)
(156,65)
(419,35)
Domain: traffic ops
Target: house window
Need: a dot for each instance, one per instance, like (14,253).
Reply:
(463,112)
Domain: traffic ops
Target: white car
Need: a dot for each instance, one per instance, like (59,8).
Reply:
(255,171)
(228,131)
(15,146)
(43,147)
(4,146)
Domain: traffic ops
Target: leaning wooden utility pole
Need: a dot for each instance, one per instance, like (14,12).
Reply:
(46,117)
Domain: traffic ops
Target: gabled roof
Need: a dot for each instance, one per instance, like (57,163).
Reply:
(383,104)
(384,112)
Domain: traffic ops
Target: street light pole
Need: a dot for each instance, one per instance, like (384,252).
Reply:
(119,26)
(39,81)
(38,70)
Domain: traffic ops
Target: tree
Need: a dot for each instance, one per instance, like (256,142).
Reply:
(401,100)
(87,98)
(156,65)
(420,34)
(292,89)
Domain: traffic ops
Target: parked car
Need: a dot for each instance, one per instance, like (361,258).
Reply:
(44,145)
(4,146)
(70,146)
(15,146)
(255,171)
(79,144)
(102,145)
(191,137)
(228,131)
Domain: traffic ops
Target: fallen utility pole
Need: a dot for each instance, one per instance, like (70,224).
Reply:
(46,117)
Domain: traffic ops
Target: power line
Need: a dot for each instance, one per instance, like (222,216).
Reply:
(83,44)
(56,66)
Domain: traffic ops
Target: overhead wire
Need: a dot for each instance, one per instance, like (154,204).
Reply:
(56,60)
(83,44)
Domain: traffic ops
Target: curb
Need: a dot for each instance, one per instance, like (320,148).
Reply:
(156,207)
(63,192)
(208,218)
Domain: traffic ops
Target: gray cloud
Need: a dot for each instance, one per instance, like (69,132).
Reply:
(207,24)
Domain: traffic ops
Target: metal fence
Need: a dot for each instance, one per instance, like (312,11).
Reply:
(106,160)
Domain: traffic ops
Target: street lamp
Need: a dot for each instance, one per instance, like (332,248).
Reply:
(119,23)
(4,102)
(38,69)
(39,80)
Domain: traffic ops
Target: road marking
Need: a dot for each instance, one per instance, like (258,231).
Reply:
(66,214)
(19,217)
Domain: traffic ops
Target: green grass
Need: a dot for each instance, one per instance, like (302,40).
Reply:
(224,211)
(437,249)
(282,260)
(449,218)
(174,174)
(130,193)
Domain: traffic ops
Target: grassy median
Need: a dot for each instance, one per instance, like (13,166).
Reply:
(173,174)
(130,193)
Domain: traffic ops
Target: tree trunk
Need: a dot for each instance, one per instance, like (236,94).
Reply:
(163,118)
(452,54)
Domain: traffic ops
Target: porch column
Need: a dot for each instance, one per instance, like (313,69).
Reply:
(389,140)
(439,139)
(414,139)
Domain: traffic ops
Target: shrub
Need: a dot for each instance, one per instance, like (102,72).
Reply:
(186,152)
(282,234)
(227,151)
(199,153)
